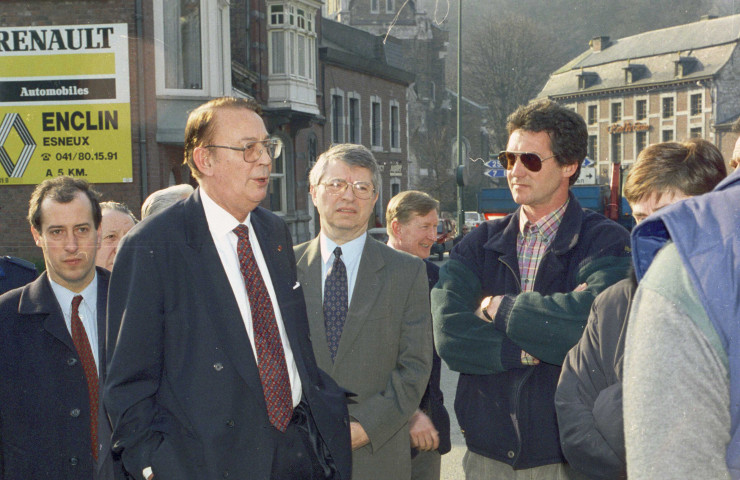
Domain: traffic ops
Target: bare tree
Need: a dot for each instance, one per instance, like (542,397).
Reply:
(506,61)
(434,154)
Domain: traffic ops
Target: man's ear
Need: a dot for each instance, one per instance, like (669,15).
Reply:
(312,191)
(569,169)
(202,160)
(36,237)
(396,227)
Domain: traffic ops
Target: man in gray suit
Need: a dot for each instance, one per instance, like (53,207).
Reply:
(368,312)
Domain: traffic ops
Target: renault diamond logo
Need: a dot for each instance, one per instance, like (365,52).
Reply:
(15,169)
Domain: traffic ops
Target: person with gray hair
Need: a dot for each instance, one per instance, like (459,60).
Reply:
(161,199)
(117,221)
(368,313)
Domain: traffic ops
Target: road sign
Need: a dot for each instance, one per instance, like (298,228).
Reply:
(495,172)
(587,176)
(587,162)
(493,163)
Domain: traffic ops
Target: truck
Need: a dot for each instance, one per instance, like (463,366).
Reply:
(605,199)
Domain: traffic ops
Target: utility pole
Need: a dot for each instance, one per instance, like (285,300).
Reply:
(461,180)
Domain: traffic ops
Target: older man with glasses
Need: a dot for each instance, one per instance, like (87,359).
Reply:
(368,309)
(515,295)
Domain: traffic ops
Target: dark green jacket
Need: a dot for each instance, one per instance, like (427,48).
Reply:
(507,410)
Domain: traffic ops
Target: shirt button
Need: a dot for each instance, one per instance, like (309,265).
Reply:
(511,454)
(230,423)
(73,461)
(226,474)
(71,361)
(218,366)
(75,412)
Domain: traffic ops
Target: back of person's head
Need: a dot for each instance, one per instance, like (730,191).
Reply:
(161,199)
(567,130)
(735,157)
(691,168)
(405,205)
(62,190)
(118,207)
(200,126)
(352,154)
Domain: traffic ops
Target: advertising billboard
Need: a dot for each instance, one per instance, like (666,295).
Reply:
(64,104)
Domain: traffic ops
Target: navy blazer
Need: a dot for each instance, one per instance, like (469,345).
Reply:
(183,387)
(44,403)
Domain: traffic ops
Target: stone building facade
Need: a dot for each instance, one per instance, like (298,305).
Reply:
(664,85)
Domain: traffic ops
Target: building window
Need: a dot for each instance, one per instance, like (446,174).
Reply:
(616,112)
(593,114)
(616,148)
(277,185)
(292,40)
(374,6)
(389,7)
(395,124)
(695,132)
(337,118)
(641,110)
(593,147)
(667,136)
(696,104)
(640,142)
(667,107)
(354,120)
(375,123)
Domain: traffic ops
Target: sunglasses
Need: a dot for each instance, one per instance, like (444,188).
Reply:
(531,161)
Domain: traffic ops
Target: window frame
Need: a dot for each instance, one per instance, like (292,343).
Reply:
(354,119)
(376,128)
(279,177)
(595,108)
(638,102)
(215,45)
(692,111)
(667,100)
(612,110)
(337,123)
(394,126)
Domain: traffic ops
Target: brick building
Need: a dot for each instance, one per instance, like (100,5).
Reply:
(663,85)
(364,89)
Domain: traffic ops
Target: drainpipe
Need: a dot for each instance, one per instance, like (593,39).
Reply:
(139,14)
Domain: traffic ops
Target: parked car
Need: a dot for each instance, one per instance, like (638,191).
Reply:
(473,219)
(445,237)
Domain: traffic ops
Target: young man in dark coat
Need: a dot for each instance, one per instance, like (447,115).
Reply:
(589,395)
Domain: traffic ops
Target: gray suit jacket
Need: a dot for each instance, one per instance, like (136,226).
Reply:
(385,353)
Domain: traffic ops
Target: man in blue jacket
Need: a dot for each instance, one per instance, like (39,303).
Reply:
(681,366)
(515,296)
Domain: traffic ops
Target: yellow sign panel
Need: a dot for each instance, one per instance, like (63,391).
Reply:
(88,141)
(64,104)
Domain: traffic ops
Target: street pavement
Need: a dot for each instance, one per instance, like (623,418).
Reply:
(452,461)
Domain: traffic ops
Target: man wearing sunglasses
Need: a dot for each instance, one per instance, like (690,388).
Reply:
(368,309)
(213,375)
(515,295)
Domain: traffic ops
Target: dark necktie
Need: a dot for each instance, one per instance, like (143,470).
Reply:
(335,302)
(270,354)
(82,344)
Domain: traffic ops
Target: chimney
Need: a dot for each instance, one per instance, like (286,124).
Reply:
(598,44)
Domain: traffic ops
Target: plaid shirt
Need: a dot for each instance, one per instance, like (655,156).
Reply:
(532,242)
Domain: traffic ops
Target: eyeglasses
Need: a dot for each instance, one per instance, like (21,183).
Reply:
(361,190)
(252,152)
(531,161)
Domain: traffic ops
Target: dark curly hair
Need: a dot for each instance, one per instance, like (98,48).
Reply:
(566,129)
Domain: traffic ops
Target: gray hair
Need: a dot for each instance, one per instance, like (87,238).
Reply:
(118,207)
(353,155)
(161,199)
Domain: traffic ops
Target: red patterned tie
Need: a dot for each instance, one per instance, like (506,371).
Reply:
(82,344)
(270,354)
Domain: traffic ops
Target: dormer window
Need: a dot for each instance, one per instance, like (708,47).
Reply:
(633,73)
(587,79)
(684,66)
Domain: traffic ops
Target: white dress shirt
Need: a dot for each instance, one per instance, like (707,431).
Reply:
(351,255)
(88,311)
(221,225)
